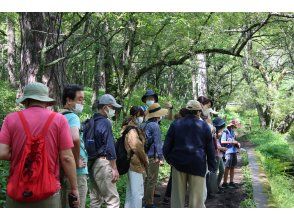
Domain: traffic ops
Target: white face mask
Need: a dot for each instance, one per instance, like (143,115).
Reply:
(78,108)
(149,102)
(110,113)
(139,120)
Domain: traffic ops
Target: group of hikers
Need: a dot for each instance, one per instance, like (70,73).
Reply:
(55,160)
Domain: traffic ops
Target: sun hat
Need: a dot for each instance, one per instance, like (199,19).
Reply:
(36,91)
(149,93)
(155,111)
(108,99)
(193,105)
(218,122)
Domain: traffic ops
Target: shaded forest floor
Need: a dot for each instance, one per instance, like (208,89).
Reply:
(229,198)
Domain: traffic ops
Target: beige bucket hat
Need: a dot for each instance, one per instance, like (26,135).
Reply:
(155,111)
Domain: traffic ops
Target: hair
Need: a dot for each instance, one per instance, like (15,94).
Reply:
(99,106)
(192,112)
(69,91)
(135,110)
(203,100)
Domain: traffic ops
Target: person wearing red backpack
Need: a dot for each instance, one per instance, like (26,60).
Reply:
(34,140)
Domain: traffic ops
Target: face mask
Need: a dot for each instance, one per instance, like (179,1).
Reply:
(150,102)
(139,120)
(110,112)
(78,108)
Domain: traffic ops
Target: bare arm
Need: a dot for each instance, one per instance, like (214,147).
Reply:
(69,167)
(76,140)
(5,153)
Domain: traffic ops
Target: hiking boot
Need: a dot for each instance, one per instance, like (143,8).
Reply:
(225,185)
(232,185)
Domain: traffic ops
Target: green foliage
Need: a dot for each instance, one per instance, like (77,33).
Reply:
(7,100)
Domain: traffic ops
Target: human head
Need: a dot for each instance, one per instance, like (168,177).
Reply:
(234,124)
(73,97)
(37,94)
(137,114)
(155,111)
(219,125)
(149,97)
(206,103)
(106,105)
(194,108)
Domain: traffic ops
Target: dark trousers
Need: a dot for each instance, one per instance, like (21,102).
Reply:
(168,187)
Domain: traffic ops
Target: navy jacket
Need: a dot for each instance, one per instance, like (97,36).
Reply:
(189,147)
(104,137)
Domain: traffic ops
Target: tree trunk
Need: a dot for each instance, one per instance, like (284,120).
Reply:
(202,75)
(54,74)
(32,43)
(194,84)
(11,52)
(286,124)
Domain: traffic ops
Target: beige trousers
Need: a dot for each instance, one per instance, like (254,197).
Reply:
(101,187)
(51,202)
(151,181)
(82,187)
(197,190)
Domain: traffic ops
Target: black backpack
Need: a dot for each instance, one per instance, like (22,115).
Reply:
(122,158)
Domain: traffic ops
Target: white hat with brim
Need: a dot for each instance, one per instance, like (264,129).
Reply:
(36,91)
(155,111)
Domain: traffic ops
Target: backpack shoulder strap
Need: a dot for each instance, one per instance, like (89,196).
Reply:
(66,112)
(48,122)
(24,124)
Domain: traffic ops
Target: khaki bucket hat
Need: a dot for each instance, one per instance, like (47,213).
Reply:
(36,91)
(193,105)
(155,111)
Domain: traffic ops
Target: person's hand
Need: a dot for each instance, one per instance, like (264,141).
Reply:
(161,163)
(76,193)
(115,175)
(82,163)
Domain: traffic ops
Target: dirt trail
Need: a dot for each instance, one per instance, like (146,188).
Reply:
(230,198)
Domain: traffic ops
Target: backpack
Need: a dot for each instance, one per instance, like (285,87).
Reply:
(122,158)
(88,130)
(32,180)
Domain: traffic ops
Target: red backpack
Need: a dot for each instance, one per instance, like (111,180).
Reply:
(32,180)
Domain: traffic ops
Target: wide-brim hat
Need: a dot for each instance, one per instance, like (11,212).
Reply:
(155,111)
(218,122)
(149,93)
(36,91)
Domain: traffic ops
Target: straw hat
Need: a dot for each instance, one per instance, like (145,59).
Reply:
(36,91)
(155,111)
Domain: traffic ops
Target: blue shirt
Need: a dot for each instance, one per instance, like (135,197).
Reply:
(229,135)
(189,147)
(153,138)
(74,121)
(104,139)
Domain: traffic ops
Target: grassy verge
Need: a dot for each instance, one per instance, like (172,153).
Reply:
(247,179)
(276,156)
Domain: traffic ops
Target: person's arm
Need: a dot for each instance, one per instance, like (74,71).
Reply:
(108,140)
(5,141)
(75,134)
(169,106)
(169,142)
(5,153)
(209,147)
(157,141)
(68,164)
(137,147)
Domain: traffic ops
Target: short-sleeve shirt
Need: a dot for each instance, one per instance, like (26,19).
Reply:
(74,121)
(228,135)
(58,136)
